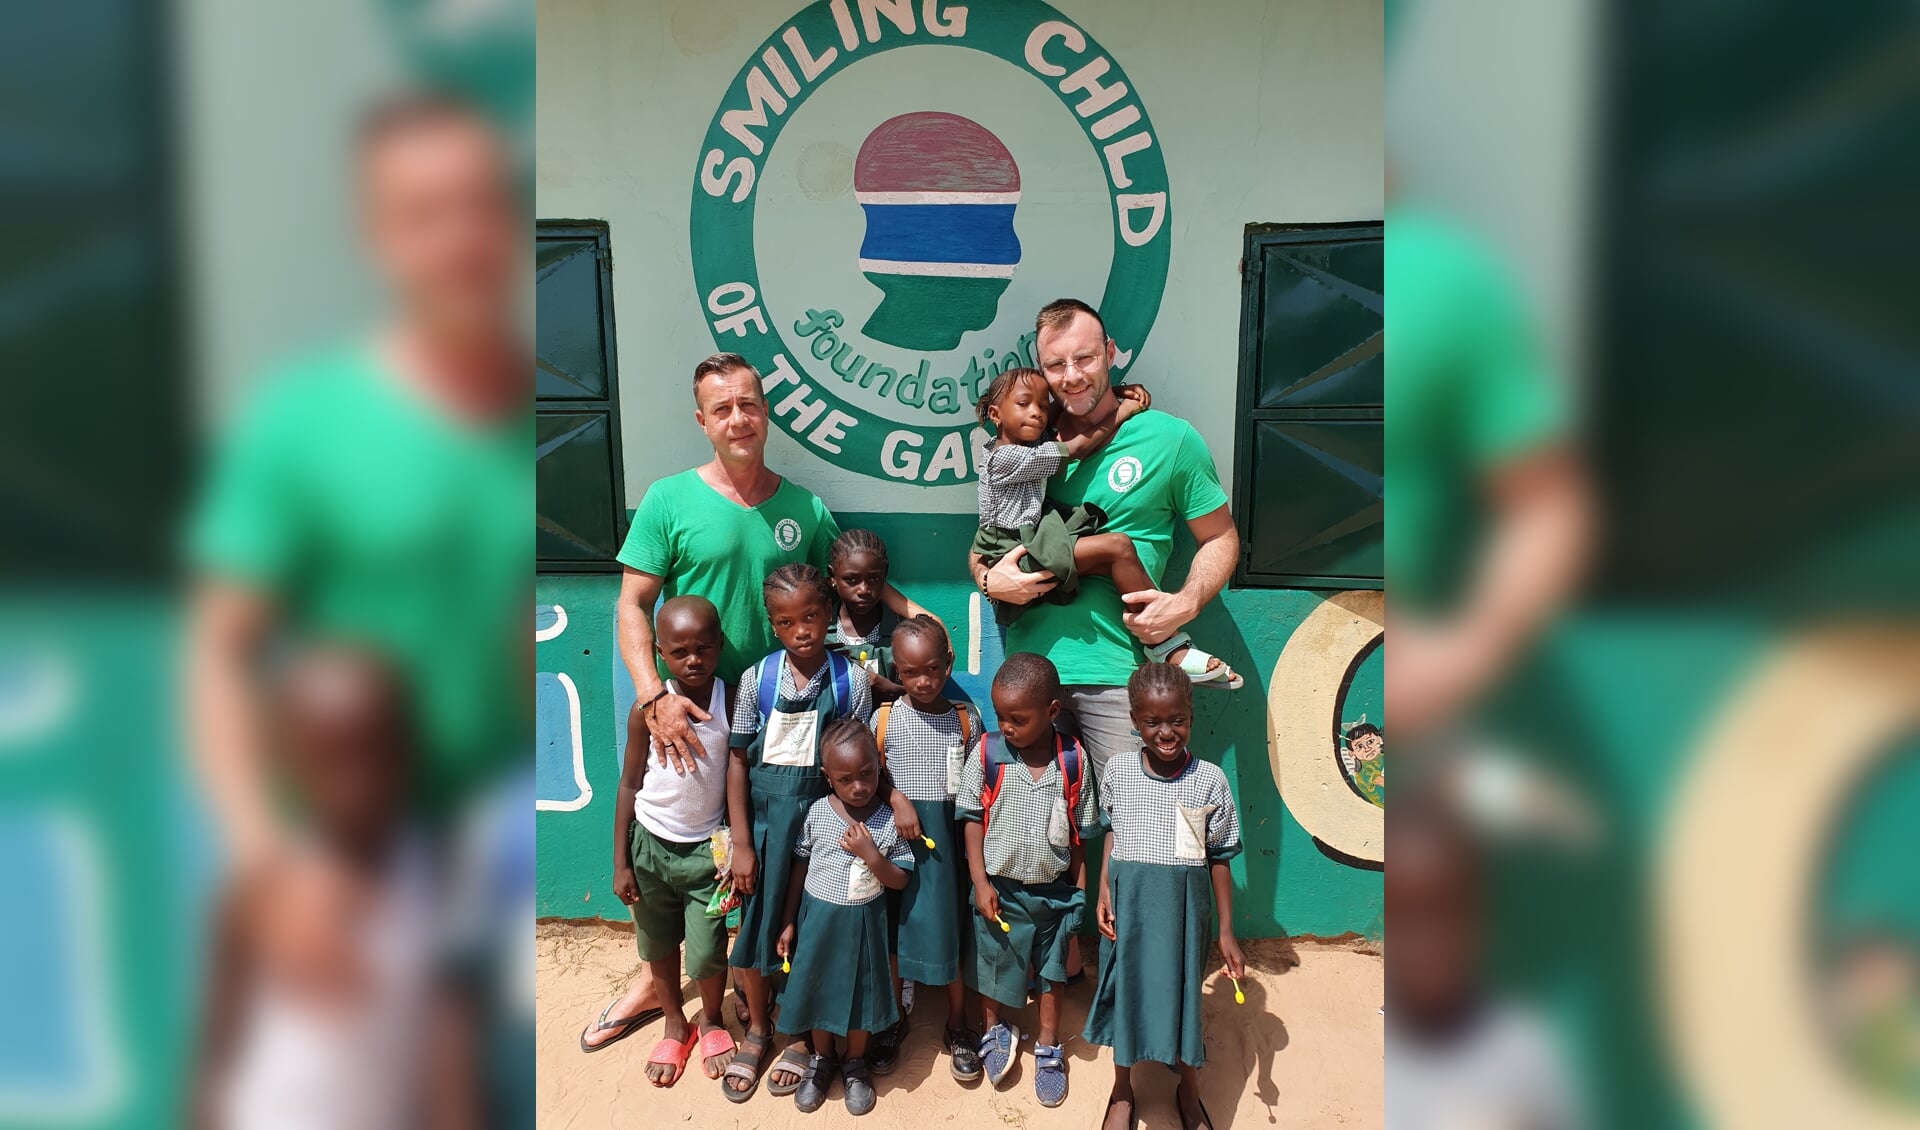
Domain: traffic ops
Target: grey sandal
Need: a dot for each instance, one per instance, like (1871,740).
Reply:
(740,1069)
(797,1059)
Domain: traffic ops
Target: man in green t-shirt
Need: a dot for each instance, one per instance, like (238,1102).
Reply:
(715,531)
(1155,471)
(378,494)
(1490,518)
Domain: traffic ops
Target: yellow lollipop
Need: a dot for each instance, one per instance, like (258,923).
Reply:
(1238,996)
(1004,928)
(927,840)
(786,966)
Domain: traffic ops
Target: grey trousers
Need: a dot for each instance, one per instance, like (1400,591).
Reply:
(1099,714)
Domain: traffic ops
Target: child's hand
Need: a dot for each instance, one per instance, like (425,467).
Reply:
(1236,966)
(1134,399)
(783,945)
(985,901)
(855,841)
(626,888)
(906,821)
(1103,915)
(746,869)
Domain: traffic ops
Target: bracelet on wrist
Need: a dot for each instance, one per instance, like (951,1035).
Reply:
(647,705)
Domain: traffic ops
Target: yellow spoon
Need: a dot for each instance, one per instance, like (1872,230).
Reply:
(786,966)
(1004,928)
(927,840)
(1238,996)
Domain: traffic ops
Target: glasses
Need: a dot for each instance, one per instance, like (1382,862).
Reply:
(1083,364)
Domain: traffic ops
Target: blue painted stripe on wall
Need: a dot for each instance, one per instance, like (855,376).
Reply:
(941,233)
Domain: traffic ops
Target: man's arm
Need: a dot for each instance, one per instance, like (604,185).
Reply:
(227,627)
(1528,567)
(670,718)
(1153,615)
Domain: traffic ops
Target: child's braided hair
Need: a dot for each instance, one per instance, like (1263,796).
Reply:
(796,577)
(925,627)
(1001,386)
(1152,678)
(857,541)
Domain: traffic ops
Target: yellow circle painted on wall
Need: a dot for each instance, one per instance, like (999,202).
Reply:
(1304,731)
(1745,840)
(886,195)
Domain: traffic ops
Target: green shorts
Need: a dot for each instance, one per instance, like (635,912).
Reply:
(1050,542)
(676,883)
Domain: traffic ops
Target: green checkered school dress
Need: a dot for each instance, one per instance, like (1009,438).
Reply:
(784,782)
(1165,833)
(925,753)
(841,981)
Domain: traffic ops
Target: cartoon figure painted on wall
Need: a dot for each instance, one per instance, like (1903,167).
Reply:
(1363,750)
(939,192)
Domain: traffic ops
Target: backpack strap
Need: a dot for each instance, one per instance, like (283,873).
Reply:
(880,715)
(770,684)
(966,726)
(842,687)
(993,764)
(1067,752)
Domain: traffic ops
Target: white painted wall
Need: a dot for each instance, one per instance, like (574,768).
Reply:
(1266,112)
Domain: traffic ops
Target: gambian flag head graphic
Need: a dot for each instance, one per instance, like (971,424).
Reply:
(938,191)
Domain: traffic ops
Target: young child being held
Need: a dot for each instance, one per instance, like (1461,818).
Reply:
(310,1036)
(662,866)
(834,928)
(1172,829)
(1020,408)
(862,627)
(1025,811)
(925,742)
(782,704)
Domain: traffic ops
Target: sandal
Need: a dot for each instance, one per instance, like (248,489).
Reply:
(794,1059)
(626,1026)
(716,1042)
(741,1069)
(1194,663)
(1049,1074)
(674,1054)
(811,1094)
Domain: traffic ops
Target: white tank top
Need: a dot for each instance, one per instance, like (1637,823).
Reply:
(686,809)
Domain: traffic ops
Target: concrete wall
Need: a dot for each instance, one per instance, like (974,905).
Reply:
(1256,113)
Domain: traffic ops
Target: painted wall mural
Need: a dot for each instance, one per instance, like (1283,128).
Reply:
(1329,760)
(918,267)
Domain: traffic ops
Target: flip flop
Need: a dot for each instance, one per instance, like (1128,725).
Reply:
(740,1069)
(717,1042)
(799,1061)
(626,1026)
(740,1011)
(673,1053)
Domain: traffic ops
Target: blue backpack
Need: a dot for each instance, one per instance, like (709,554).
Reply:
(770,685)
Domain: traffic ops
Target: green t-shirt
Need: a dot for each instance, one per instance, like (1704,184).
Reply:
(705,545)
(1154,472)
(371,517)
(1467,390)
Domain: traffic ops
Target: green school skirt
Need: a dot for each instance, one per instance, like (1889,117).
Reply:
(927,926)
(840,980)
(1147,1005)
(782,794)
(1049,543)
(1043,917)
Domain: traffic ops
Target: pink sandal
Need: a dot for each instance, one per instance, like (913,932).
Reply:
(716,1042)
(674,1053)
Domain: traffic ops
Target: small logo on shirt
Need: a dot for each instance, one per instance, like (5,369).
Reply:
(786,533)
(1123,474)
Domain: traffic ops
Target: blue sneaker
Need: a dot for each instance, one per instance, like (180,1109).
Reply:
(999,1048)
(1049,1074)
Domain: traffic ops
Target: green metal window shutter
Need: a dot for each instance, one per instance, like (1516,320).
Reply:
(581,503)
(1308,481)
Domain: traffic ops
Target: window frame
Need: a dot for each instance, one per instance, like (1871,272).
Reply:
(600,233)
(1248,415)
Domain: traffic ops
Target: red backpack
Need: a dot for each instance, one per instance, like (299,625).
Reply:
(995,757)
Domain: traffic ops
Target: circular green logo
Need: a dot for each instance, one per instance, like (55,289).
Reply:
(885,266)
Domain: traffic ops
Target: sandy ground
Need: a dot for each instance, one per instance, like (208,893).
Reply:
(1304,1051)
